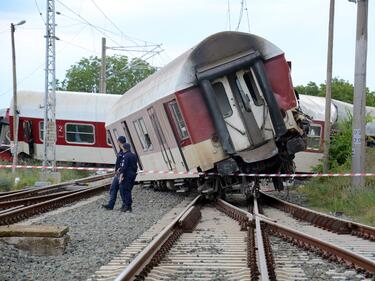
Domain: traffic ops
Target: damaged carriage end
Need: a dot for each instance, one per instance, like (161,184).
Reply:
(291,137)
(289,126)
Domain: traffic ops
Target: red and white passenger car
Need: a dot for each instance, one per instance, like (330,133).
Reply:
(226,105)
(80,117)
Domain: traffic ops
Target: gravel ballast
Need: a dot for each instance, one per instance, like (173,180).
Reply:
(96,235)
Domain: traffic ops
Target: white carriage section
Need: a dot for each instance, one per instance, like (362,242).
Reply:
(146,145)
(340,111)
(314,107)
(151,137)
(81,154)
(203,154)
(69,105)
(247,82)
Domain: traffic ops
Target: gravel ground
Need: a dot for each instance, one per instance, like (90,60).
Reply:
(97,235)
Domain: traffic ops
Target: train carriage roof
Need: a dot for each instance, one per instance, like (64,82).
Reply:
(315,107)
(180,73)
(75,106)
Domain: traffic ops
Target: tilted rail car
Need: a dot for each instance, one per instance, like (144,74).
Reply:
(226,105)
(80,132)
(314,107)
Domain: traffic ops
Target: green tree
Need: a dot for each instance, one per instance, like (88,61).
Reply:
(341,90)
(310,89)
(121,74)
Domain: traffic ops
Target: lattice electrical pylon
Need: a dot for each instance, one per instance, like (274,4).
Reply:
(49,126)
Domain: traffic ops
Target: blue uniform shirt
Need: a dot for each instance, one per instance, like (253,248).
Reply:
(129,164)
(119,158)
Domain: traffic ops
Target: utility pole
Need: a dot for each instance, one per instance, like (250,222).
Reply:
(327,121)
(359,109)
(49,126)
(102,84)
(15,109)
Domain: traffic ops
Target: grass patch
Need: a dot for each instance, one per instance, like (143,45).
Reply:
(337,195)
(28,177)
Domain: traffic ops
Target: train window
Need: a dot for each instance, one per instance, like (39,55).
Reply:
(222,99)
(115,133)
(41,130)
(313,137)
(253,89)
(245,98)
(79,133)
(179,120)
(142,133)
(108,137)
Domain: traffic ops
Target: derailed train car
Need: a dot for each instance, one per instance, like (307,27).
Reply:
(314,107)
(226,105)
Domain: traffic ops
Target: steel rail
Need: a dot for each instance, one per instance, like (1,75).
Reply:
(328,250)
(262,260)
(32,200)
(14,195)
(16,215)
(325,221)
(141,260)
(258,263)
(3,193)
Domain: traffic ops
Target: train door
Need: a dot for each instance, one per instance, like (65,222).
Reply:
(253,100)
(129,139)
(165,149)
(4,133)
(240,124)
(28,135)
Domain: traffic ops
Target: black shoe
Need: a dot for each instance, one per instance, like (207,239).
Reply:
(107,207)
(126,209)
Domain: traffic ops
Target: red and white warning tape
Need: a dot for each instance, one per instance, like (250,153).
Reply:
(58,168)
(196,173)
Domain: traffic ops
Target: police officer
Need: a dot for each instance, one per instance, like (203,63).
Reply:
(115,182)
(128,174)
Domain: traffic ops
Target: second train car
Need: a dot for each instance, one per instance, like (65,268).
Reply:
(226,105)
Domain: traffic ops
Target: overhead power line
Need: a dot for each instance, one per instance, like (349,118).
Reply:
(228,14)
(247,15)
(39,11)
(107,18)
(240,16)
(100,30)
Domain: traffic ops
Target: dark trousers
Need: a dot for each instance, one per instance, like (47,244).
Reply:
(115,186)
(126,188)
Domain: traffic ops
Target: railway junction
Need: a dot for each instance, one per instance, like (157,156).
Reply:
(171,236)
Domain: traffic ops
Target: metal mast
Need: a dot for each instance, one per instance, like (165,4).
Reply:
(327,120)
(49,126)
(359,104)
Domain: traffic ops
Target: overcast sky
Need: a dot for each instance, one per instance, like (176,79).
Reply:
(298,27)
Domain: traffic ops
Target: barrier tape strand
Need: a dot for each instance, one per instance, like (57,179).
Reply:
(193,173)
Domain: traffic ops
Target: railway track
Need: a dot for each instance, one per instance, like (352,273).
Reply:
(19,205)
(221,241)
(268,239)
